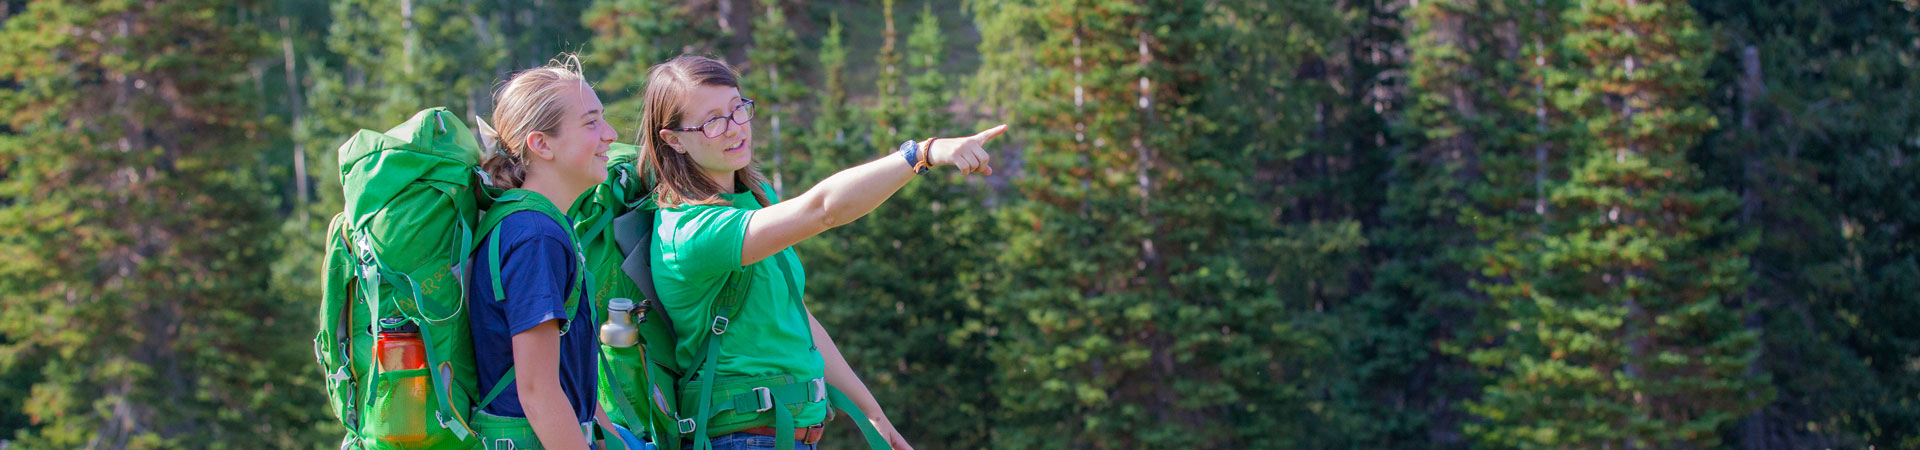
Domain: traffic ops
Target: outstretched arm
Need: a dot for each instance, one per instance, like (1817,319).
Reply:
(853,193)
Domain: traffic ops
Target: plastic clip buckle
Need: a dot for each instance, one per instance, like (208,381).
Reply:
(686,426)
(819,390)
(719,325)
(364,242)
(766,398)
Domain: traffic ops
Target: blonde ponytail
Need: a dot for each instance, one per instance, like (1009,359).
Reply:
(532,100)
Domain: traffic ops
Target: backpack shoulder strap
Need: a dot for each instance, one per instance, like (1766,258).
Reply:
(513,201)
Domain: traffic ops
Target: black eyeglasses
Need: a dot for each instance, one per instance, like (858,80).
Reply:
(716,126)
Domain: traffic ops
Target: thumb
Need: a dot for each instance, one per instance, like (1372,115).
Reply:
(991,133)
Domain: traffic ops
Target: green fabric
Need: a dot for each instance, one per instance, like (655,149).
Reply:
(694,250)
(593,214)
(518,200)
(515,433)
(395,252)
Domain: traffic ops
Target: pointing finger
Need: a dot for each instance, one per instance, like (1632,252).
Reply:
(991,133)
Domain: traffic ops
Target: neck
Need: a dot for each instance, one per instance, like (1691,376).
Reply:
(562,196)
(722,179)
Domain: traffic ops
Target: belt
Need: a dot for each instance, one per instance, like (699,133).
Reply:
(808,435)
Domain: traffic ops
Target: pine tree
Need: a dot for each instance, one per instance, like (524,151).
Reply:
(628,38)
(1139,277)
(1815,136)
(1630,332)
(928,91)
(136,222)
(887,111)
(833,141)
(772,78)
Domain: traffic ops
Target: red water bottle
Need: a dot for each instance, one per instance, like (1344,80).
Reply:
(400,348)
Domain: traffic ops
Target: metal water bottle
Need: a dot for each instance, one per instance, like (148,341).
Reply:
(619,330)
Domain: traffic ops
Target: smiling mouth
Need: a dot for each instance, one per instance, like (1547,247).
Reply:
(737,147)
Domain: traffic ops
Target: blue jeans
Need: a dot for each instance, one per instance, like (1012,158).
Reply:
(749,441)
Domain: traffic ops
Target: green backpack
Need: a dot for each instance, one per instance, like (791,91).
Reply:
(397,259)
(394,259)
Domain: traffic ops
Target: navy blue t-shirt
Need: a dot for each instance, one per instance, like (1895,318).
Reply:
(537,265)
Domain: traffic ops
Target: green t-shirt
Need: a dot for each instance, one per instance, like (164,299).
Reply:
(694,249)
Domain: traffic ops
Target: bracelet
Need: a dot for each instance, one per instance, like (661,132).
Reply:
(917,162)
(926,155)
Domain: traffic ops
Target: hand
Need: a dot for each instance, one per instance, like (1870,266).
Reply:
(885,427)
(895,440)
(965,152)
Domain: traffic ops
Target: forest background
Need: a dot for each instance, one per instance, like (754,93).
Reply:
(1215,224)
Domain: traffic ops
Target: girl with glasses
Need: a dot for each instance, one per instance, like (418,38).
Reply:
(720,228)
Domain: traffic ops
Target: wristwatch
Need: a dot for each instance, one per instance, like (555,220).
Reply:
(911,149)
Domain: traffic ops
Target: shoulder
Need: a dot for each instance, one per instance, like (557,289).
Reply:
(686,221)
(530,226)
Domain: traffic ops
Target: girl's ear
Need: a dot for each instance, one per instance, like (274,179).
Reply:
(537,146)
(672,140)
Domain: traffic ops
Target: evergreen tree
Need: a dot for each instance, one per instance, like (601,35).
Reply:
(1140,279)
(628,38)
(886,112)
(1630,332)
(771,78)
(1446,235)
(832,142)
(928,92)
(136,223)
(1816,136)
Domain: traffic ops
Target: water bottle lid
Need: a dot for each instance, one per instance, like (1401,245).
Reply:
(620,304)
(398,325)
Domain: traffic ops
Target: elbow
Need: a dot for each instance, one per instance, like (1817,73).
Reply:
(827,216)
(530,392)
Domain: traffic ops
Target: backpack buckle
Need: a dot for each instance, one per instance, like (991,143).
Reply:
(365,243)
(766,398)
(819,389)
(719,325)
(686,426)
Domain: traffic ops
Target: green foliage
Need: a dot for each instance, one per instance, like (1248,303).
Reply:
(886,111)
(1816,136)
(1234,223)
(135,226)
(629,36)
(772,75)
(1143,283)
(1627,330)
(928,90)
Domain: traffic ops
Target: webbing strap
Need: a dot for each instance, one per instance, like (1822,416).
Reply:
(620,396)
(782,423)
(493,263)
(498,387)
(709,360)
(840,401)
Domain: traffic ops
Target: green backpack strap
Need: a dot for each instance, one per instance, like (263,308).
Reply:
(723,309)
(513,201)
(620,395)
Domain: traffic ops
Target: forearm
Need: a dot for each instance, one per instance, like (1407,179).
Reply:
(542,400)
(551,416)
(856,191)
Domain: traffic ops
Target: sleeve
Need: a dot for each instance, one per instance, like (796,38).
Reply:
(535,275)
(707,239)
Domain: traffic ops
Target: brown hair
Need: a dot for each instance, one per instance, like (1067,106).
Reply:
(532,100)
(668,85)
